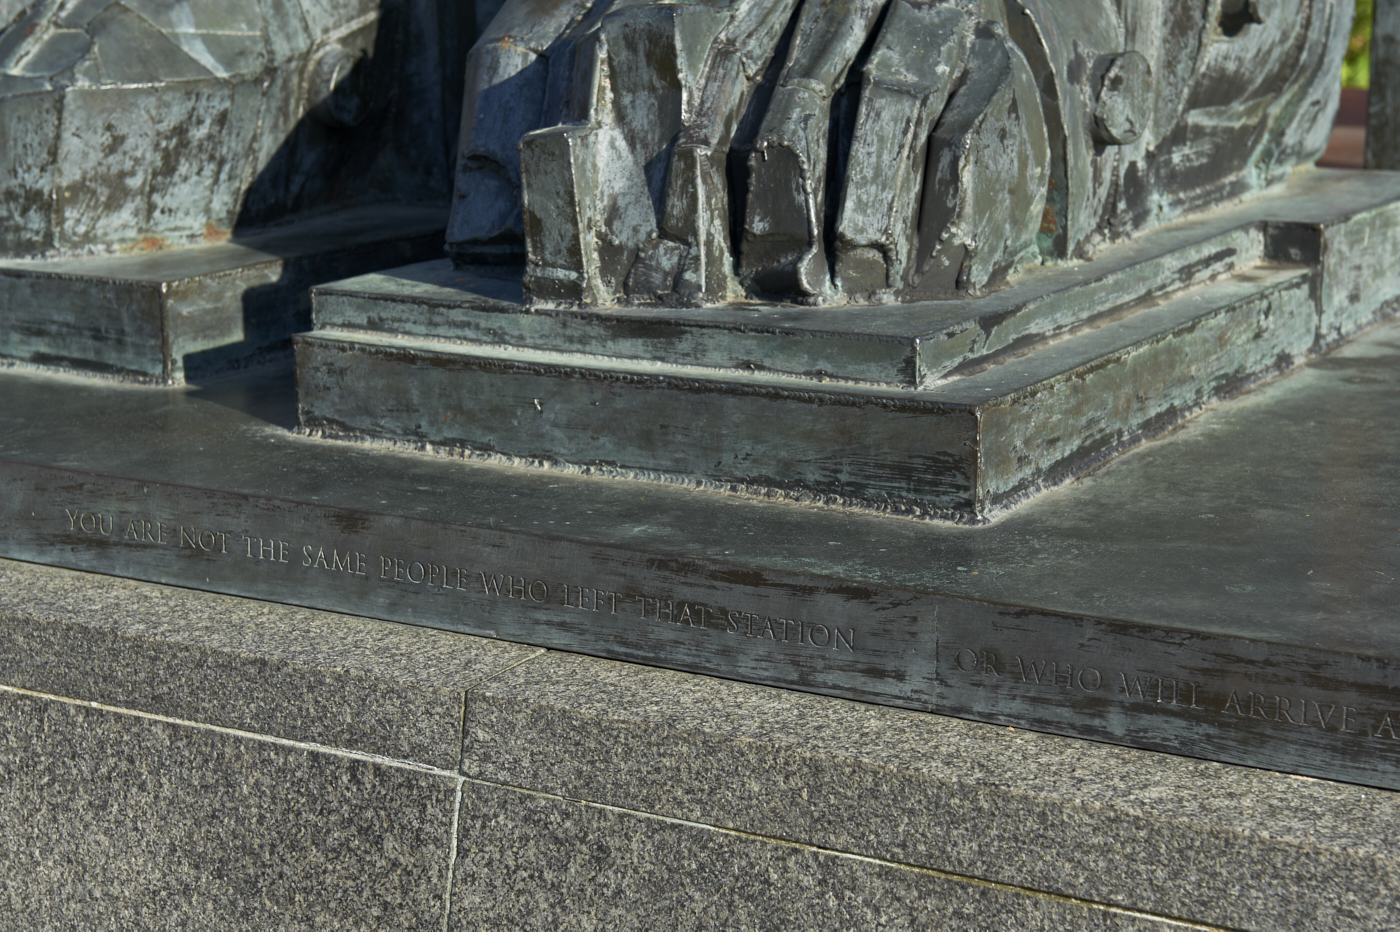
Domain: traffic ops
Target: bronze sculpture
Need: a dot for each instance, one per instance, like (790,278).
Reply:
(858,151)
(146,124)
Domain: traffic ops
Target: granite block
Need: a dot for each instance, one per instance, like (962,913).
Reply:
(1197,840)
(370,686)
(117,821)
(527,861)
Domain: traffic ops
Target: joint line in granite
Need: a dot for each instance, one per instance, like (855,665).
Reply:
(239,733)
(452,856)
(999,886)
(466,700)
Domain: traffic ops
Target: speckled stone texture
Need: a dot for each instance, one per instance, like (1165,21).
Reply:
(604,869)
(115,821)
(170,759)
(386,689)
(1208,842)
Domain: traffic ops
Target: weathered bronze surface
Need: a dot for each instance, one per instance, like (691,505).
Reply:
(837,151)
(192,137)
(1228,592)
(954,409)
(174,314)
(910,257)
(138,123)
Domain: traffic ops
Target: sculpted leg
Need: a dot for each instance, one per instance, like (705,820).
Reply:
(639,181)
(508,76)
(590,185)
(983,133)
(1067,46)
(595,190)
(782,250)
(918,59)
(698,198)
(984,187)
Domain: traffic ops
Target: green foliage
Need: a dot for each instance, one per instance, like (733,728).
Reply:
(1356,68)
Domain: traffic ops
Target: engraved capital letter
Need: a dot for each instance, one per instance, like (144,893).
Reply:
(1323,721)
(1385,727)
(1284,704)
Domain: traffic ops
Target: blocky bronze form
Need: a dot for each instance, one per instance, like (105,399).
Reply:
(150,123)
(833,151)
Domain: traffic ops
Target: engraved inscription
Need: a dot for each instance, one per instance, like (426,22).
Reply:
(1160,689)
(505,585)
(660,609)
(575,600)
(589,598)
(203,539)
(1036,676)
(348,562)
(265,548)
(1083,682)
(1058,674)
(145,532)
(421,573)
(90,522)
(791,630)
(1291,710)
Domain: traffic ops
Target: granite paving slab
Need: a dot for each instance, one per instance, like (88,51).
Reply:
(532,862)
(391,690)
(119,821)
(1155,832)
(597,794)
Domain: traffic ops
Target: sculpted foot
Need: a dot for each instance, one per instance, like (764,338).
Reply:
(867,150)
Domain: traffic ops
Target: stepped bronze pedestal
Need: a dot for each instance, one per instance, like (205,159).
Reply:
(948,409)
(1225,593)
